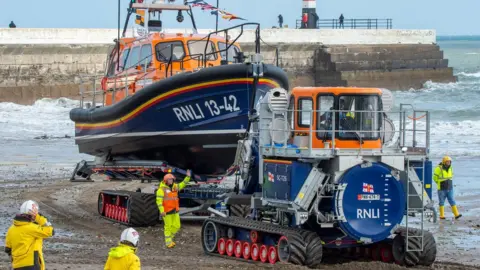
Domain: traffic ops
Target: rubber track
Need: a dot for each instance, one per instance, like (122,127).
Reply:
(314,249)
(142,209)
(429,253)
(239,210)
(303,244)
(410,258)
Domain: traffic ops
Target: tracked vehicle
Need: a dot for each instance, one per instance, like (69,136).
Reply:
(333,180)
(290,176)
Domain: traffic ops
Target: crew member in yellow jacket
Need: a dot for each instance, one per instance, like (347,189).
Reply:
(123,257)
(168,205)
(24,239)
(443,177)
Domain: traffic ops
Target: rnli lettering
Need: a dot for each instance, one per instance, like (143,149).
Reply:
(189,113)
(195,112)
(368,213)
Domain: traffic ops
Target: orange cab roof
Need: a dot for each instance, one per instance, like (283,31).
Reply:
(305,91)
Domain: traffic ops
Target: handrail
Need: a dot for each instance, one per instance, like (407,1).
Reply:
(351,23)
(399,133)
(199,57)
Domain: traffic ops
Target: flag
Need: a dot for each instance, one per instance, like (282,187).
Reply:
(214,10)
(140,20)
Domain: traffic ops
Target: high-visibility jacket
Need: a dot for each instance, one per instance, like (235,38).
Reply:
(24,242)
(122,257)
(167,197)
(443,178)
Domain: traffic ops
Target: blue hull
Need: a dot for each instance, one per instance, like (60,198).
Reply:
(185,124)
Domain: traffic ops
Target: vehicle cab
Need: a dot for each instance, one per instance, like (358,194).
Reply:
(338,117)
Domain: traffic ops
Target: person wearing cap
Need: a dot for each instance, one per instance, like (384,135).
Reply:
(168,205)
(443,175)
(123,257)
(24,239)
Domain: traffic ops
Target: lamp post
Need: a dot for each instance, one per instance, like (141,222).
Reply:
(216,24)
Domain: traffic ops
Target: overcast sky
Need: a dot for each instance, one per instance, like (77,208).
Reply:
(460,17)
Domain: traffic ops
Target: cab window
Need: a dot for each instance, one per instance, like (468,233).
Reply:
(169,50)
(304,114)
(325,114)
(197,47)
(359,117)
(232,52)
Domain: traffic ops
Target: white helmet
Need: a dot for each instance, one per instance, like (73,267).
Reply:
(131,236)
(29,208)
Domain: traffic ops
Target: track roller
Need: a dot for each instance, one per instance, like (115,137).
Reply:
(238,248)
(246,250)
(258,241)
(263,253)
(255,253)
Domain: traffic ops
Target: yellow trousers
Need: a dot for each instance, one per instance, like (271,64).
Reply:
(171,225)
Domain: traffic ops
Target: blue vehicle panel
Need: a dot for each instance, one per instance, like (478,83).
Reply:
(276,180)
(284,179)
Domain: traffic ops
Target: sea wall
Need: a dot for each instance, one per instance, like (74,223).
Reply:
(33,60)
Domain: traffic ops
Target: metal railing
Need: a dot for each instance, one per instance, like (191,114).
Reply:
(351,24)
(411,134)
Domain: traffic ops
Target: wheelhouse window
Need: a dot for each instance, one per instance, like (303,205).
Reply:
(305,107)
(232,52)
(123,60)
(197,49)
(325,112)
(146,55)
(166,50)
(133,57)
(359,117)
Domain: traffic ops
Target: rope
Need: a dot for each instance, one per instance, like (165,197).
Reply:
(417,118)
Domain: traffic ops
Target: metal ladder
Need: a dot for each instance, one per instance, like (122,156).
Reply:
(414,181)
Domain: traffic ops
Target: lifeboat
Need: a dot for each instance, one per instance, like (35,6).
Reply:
(176,97)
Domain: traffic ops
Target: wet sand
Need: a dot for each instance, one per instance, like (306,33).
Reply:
(83,238)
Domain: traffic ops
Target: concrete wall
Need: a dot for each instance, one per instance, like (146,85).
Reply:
(286,35)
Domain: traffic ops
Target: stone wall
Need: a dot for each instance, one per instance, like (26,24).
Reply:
(37,63)
(396,67)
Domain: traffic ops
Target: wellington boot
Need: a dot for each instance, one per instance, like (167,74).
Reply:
(171,245)
(455,212)
(442,212)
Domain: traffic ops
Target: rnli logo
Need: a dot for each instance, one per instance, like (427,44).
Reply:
(367,188)
(271,177)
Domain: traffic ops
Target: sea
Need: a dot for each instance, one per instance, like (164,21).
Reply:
(37,142)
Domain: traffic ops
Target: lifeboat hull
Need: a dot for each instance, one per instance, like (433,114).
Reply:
(191,120)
